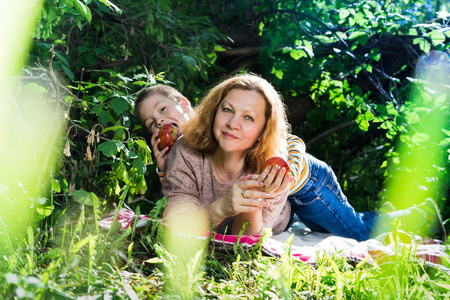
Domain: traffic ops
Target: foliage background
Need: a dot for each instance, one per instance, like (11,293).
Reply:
(343,66)
(346,70)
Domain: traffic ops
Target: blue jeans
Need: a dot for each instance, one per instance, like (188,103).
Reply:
(322,206)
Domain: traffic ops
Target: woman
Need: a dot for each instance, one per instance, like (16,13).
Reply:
(239,125)
(211,171)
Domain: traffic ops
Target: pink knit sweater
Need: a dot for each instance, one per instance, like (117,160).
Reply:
(190,183)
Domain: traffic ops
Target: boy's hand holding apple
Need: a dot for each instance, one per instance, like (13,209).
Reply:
(162,142)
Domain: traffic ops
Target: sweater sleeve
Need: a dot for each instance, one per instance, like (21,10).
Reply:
(296,160)
(180,184)
(161,174)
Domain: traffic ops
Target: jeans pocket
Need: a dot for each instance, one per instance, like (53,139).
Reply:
(334,187)
(308,198)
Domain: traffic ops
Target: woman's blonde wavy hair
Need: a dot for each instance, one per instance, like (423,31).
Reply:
(198,132)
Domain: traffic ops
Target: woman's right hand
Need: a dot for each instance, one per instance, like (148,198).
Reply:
(160,156)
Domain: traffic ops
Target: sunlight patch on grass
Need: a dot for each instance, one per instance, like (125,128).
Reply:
(183,254)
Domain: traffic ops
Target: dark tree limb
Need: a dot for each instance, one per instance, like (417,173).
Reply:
(329,131)
(241,51)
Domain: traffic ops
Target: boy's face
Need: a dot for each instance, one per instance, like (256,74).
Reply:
(158,110)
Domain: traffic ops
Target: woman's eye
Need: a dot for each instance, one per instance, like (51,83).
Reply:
(226,109)
(163,109)
(249,118)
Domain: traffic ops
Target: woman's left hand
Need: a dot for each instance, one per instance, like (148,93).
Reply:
(274,183)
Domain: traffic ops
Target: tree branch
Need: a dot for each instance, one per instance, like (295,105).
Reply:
(241,51)
(329,131)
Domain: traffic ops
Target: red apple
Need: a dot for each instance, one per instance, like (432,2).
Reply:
(277,161)
(167,135)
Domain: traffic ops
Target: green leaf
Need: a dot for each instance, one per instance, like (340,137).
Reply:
(446,32)
(447,132)
(83,9)
(165,4)
(440,100)
(103,118)
(124,78)
(219,48)
(412,118)
(296,54)
(362,122)
(178,41)
(44,211)
(119,135)
(115,127)
(142,144)
(144,151)
(84,197)
(278,73)
(423,44)
(110,4)
(420,137)
(368,115)
(412,31)
(108,148)
(68,72)
(55,186)
(188,61)
(158,208)
(131,155)
(204,74)
(77,247)
(360,36)
(34,88)
(437,37)
(445,261)
(119,105)
(344,13)
(140,166)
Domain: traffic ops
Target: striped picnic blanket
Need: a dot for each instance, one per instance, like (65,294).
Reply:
(308,246)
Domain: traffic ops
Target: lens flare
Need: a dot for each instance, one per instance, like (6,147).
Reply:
(421,165)
(30,126)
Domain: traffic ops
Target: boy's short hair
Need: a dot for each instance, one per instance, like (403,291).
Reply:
(160,89)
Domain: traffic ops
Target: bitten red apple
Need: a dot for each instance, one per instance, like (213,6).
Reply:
(277,161)
(167,135)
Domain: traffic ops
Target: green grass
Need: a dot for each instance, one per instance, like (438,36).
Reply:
(78,262)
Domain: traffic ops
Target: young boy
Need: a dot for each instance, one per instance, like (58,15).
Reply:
(159,105)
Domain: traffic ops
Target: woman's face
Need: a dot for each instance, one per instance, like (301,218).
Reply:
(158,110)
(240,120)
